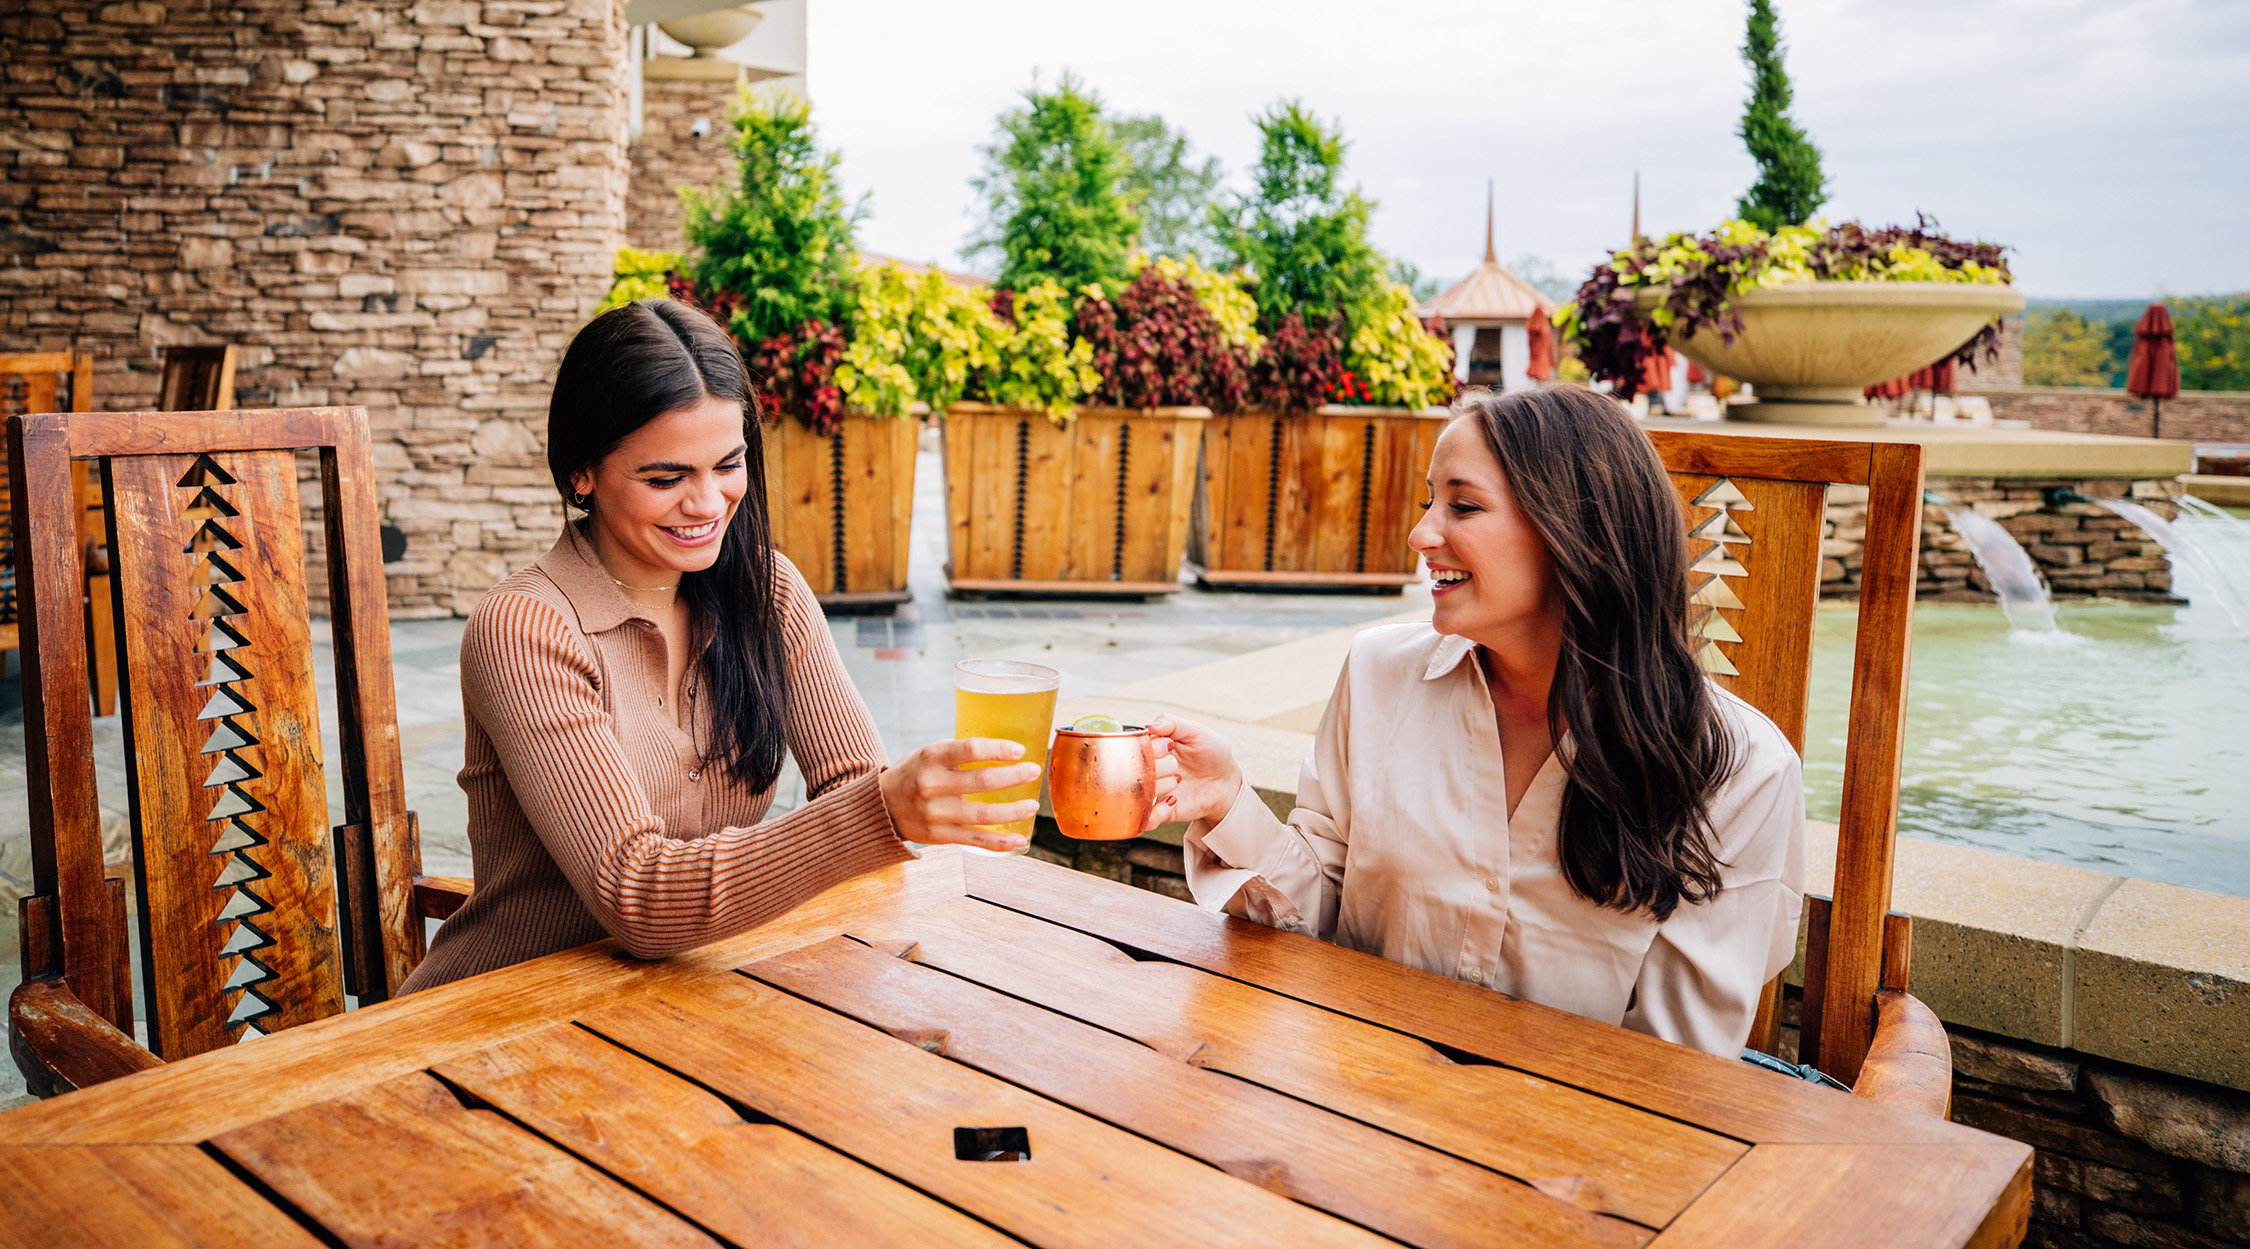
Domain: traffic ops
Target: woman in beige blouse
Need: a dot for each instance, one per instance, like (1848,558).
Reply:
(628,697)
(1539,791)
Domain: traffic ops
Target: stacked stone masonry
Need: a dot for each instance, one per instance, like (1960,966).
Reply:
(2081,550)
(669,155)
(409,206)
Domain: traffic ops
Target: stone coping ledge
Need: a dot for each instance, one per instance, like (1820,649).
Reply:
(1966,451)
(2224,491)
(2145,973)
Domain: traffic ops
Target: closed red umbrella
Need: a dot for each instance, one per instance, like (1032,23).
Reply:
(2154,372)
(1656,369)
(1941,375)
(1541,332)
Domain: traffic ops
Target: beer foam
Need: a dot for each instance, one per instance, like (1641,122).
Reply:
(1002,683)
(1029,680)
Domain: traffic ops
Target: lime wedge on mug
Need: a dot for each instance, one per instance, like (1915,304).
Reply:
(1097,724)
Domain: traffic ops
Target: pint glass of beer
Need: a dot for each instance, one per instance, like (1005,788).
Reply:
(1005,699)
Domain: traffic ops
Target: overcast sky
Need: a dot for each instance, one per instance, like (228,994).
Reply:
(2106,141)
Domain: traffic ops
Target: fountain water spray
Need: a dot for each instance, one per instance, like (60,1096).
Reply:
(2187,554)
(2023,597)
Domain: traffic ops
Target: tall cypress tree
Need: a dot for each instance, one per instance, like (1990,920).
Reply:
(1301,231)
(1790,186)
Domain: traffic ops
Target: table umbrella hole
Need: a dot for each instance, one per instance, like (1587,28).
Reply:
(992,1144)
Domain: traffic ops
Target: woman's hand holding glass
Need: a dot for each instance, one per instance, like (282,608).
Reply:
(927,793)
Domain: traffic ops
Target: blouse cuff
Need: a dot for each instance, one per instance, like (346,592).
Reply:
(1212,875)
(1244,836)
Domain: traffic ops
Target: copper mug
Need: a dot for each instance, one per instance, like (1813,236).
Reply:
(1102,785)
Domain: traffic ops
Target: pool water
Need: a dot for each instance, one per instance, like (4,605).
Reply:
(2121,743)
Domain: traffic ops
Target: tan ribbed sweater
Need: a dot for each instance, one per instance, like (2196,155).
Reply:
(590,812)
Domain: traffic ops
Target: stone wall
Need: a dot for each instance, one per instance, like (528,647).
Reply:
(668,155)
(2195,416)
(2081,550)
(405,205)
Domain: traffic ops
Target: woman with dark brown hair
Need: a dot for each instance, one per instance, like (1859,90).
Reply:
(629,697)
(1539,791)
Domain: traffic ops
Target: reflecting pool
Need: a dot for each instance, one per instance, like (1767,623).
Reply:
(2121,743)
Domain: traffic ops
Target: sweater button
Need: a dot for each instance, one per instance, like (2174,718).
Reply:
(695,776)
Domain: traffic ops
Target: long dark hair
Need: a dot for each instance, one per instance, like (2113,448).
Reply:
(629,366)
(1646,745)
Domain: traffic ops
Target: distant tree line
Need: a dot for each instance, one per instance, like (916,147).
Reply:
(2090,346)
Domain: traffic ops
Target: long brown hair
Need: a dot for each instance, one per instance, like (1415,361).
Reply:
(627,367)
(1646,746)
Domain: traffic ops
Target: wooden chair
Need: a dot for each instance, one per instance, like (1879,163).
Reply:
(1755,508)
(197,379)
(254,913)
(32,383)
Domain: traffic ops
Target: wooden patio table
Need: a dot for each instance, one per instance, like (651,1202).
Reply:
(870,1069)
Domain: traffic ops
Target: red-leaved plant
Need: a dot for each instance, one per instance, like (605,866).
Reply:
(1157,346)
(792,374)
(1302,365)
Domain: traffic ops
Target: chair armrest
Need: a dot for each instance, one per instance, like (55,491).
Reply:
(62,1045)
(1910,1062)
(438,897)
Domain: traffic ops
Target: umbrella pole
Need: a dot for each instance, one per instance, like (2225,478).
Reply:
(2156,418)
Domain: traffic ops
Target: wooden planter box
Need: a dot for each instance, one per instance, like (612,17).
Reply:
(842,505)
(1323,499)
(1099,506)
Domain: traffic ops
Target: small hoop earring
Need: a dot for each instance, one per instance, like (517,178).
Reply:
(583,502)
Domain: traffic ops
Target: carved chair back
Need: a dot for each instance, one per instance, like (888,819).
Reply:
(1755,511)
(254,914)
(197,379)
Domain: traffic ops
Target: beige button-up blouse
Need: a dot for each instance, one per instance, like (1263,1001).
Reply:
(1401,845)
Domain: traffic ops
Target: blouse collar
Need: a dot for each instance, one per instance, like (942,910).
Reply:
(595,595)
(1447,655)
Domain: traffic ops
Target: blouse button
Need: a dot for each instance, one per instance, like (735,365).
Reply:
(1476,975)
(1492,883)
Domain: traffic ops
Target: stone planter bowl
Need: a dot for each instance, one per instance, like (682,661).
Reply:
(709,32)
(1810,348)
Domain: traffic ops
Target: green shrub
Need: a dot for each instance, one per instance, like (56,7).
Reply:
(1300,232)
(1056,206)
(775,249)
(635,274)
(916,337)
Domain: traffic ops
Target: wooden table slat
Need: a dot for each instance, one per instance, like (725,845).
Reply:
(1288,1146)
(1598,1154)
(895,1107)
(298,1067)
(1720,1094)
(752,1183)
(1813,1196)
(134,1197)
(360,1167)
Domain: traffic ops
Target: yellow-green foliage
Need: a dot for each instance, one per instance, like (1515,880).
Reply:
(915,337)
(636,274)
(2060,348)
(1221,295)
(1041,366)
(1400,362)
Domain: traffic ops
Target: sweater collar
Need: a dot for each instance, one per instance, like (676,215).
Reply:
(576,571)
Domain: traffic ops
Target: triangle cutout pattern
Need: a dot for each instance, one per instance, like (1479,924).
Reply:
(1717,547)
(234,819)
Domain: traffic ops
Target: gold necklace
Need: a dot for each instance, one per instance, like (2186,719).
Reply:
(646,589)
